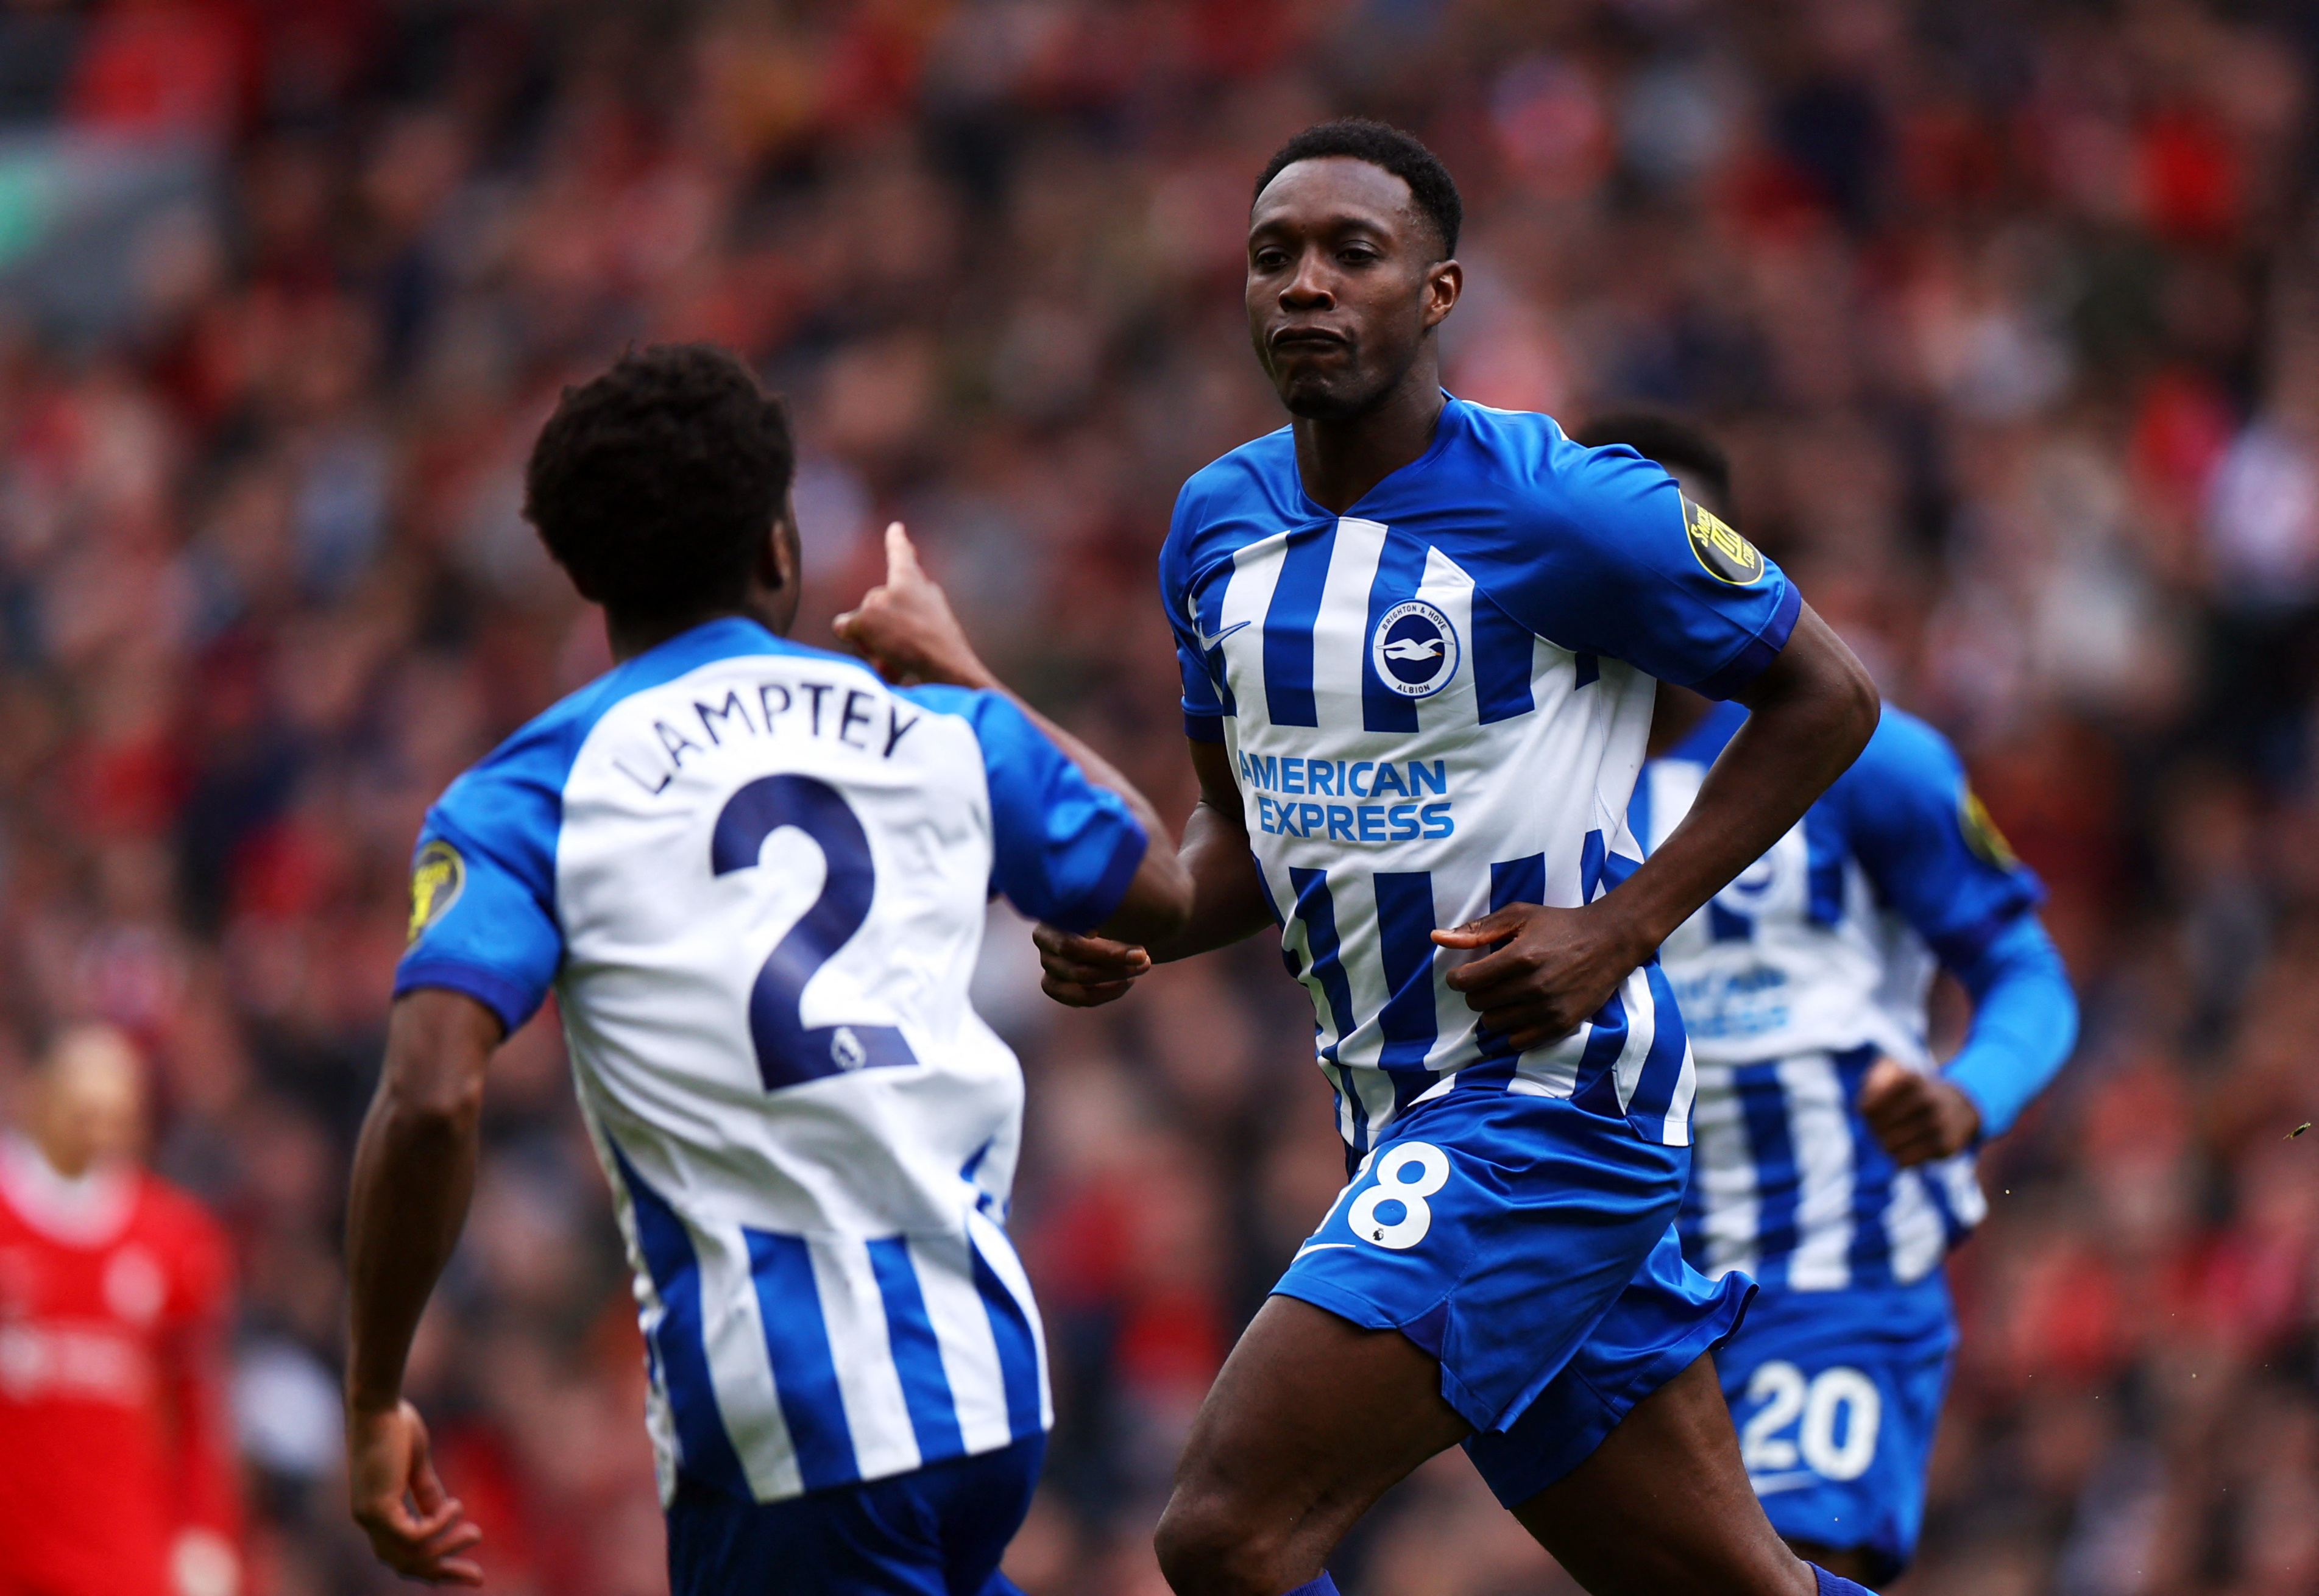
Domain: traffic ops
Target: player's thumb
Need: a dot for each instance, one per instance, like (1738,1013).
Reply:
(901,557)
(1883,1078)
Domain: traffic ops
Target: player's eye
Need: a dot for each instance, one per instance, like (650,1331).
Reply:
(1269,260)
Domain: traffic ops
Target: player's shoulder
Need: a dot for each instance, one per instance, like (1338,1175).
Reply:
(1258,479)
(1588,490)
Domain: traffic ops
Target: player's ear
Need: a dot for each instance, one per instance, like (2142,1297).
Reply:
(1445,280)
(780,561)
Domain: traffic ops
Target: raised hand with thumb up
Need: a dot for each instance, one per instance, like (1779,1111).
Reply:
(905,628)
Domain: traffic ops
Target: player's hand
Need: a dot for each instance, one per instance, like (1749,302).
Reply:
(1546,972)
(415,1527)
(1086,971)
(904,627)
(1918,1117)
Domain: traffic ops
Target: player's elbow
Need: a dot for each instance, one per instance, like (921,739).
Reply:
(433,1097)
(1835,693)
(439,1044)
(1858,704)
(1157,903)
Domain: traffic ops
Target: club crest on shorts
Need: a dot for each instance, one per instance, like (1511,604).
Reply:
(1721,552)
(437,876)
(1414,649)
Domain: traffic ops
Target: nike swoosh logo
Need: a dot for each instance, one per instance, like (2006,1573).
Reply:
(1772,1485)
(1207,643)
(1317,1247)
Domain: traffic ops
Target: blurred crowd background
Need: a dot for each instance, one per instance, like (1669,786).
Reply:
(2009,311)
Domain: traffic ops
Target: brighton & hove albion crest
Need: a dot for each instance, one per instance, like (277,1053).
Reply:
(1414,649)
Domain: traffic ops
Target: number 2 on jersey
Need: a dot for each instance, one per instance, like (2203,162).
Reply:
(789,1052)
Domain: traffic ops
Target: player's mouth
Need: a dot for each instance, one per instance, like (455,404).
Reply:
(1306,339)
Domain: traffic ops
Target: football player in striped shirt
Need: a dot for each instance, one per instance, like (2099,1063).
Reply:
(1831,1160)
(1417,641)
(754,875)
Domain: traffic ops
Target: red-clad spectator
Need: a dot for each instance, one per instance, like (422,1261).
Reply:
(115,1471)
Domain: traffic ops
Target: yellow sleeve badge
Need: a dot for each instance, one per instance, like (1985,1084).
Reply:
(1720,552)
(437,877)
(1981,835)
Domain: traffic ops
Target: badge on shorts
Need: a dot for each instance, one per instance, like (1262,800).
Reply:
(1721,552)
(1981,835)
(437,878)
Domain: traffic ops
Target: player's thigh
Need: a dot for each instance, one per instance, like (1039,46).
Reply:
(1312,1419)
(1663,1506)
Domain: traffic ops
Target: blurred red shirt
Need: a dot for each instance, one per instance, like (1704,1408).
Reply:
(114,1440)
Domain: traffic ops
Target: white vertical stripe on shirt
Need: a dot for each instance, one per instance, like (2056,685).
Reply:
(1913,1228)
(1677,1129)
(969,1353)
(1819,1135)
(1723,1169)
(998,1252)
(869,1385)
(740,1366)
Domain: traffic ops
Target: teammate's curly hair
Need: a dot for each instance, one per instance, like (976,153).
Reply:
(655,484)
(1399,153)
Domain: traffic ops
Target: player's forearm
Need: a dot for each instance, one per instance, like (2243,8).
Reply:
(2025,1022)
(1809,716)
(1227,899)
(414,1171)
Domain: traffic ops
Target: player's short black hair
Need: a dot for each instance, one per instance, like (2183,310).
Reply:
(1672,442)
(1399,153)
(655,484)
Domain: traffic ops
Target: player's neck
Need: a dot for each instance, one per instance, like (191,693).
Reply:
(631,635)
(1340,460)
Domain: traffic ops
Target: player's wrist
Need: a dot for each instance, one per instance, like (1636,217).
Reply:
(370,1400)
(1617,916)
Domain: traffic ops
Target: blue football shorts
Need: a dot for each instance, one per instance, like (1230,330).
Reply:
(1528,1245)
(935,1531)
(1836,1395)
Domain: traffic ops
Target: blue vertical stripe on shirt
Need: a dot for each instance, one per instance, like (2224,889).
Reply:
(1018,1346)
(704,1448)
(1870,1254)
(1405,901)
(805,1372)
(1401,566)
(1288,626)
(917,1352)
(1764,1110)
(1503,651)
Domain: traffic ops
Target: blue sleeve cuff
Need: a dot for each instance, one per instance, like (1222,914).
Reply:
(511,1001)
(1204,728)
(1756,656)
(1103,897)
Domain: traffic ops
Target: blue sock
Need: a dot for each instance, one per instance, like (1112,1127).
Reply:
(1323,1586)
(1829,1584)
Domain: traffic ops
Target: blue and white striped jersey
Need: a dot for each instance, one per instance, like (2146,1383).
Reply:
(1436,704)
(755,877)
(1793,979)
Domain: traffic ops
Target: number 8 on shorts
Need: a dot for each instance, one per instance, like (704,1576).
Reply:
(1395,1183)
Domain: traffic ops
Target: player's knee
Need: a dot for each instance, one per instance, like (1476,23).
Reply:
(1207,1547)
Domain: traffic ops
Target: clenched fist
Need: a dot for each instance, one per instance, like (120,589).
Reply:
(1916,1117)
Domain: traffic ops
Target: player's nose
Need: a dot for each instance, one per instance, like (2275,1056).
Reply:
(1310,288)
